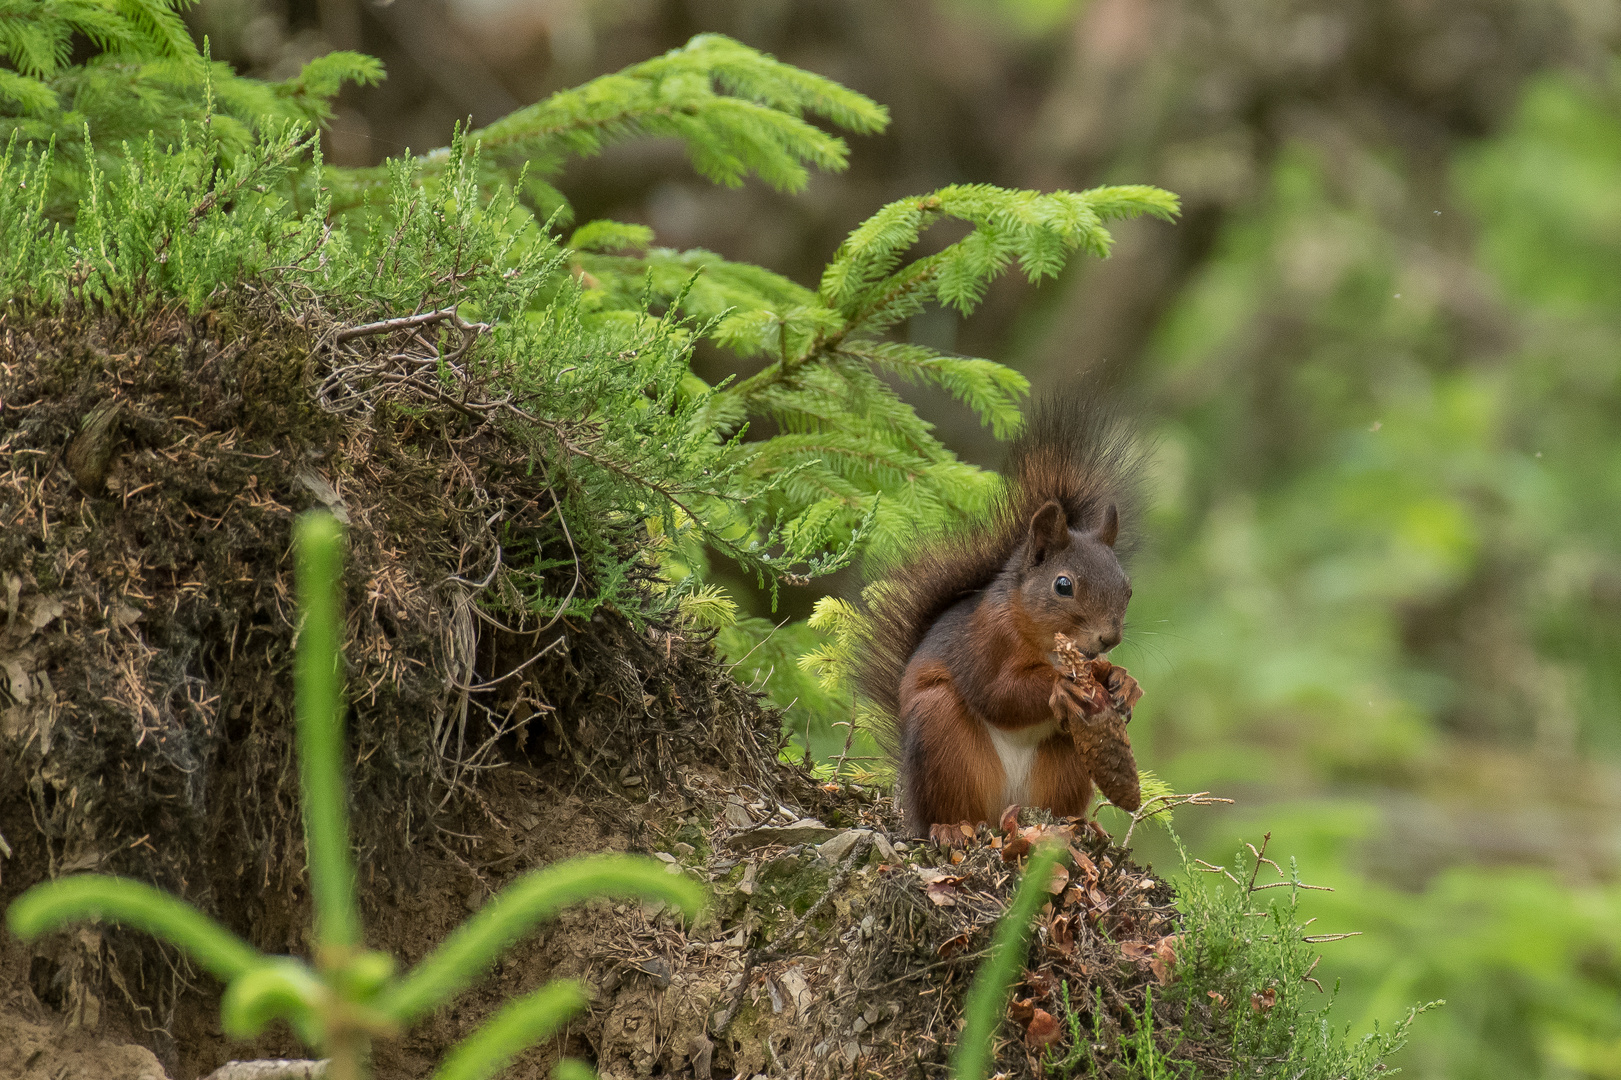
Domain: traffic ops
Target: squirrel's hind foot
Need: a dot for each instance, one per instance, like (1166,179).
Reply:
(952,836)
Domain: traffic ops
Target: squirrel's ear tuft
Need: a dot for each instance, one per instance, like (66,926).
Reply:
(1108,530)
(1049,533)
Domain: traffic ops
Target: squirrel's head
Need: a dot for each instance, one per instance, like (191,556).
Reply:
(1069,580)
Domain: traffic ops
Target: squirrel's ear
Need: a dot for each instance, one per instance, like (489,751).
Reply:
(1049,532)
(1108,529)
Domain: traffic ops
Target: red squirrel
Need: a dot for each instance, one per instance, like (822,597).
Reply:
(959,644)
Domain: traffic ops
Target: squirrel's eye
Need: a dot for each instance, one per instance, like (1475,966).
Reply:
(1064,586)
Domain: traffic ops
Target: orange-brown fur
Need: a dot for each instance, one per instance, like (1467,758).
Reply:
(958,647)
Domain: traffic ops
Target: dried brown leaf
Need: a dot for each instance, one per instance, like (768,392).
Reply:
(1017,847)
(1163,964)
(1042,984)
(1136,950)
(1061,935)
(940,886)
(1084,866)
(1043,1030)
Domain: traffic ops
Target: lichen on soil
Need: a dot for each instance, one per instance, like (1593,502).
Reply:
(150,472)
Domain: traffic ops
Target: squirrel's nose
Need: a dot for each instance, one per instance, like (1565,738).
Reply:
(1108,641)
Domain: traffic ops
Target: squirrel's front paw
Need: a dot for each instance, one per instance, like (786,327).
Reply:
(1123,691)
(1077,697)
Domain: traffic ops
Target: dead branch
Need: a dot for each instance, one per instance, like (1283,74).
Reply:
(1169,803)
(279,1069)
(406,322)
(1211,868)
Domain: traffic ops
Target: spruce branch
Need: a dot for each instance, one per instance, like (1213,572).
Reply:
(738,111)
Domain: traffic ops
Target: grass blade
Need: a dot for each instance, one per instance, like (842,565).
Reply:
(987,998)
(518,1026)
(318,540)
(516,909)
(130,903)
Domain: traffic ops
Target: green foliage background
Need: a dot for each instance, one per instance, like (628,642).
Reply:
(1326,511)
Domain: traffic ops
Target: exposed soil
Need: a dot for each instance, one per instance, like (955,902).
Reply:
(150,472)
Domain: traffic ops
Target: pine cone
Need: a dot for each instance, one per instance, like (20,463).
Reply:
(1100,731)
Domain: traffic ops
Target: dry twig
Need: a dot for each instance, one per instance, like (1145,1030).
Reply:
(278,1069)
(1169,803)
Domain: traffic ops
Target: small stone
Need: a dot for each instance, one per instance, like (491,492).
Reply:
(860,1025)
(737,816)
(663,856)
(872,1015)
(701,1051)
(787,836)
(886,850)
(834,850)
(797,989)
(683,850)
(852,1050)
(658,969)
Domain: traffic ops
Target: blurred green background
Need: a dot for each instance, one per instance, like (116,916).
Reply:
(1380,601)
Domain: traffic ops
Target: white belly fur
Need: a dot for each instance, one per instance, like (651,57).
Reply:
(1017,751)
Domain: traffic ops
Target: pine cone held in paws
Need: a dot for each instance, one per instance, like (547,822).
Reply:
(1098,727)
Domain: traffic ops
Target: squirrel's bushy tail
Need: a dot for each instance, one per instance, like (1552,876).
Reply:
(1078,450)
